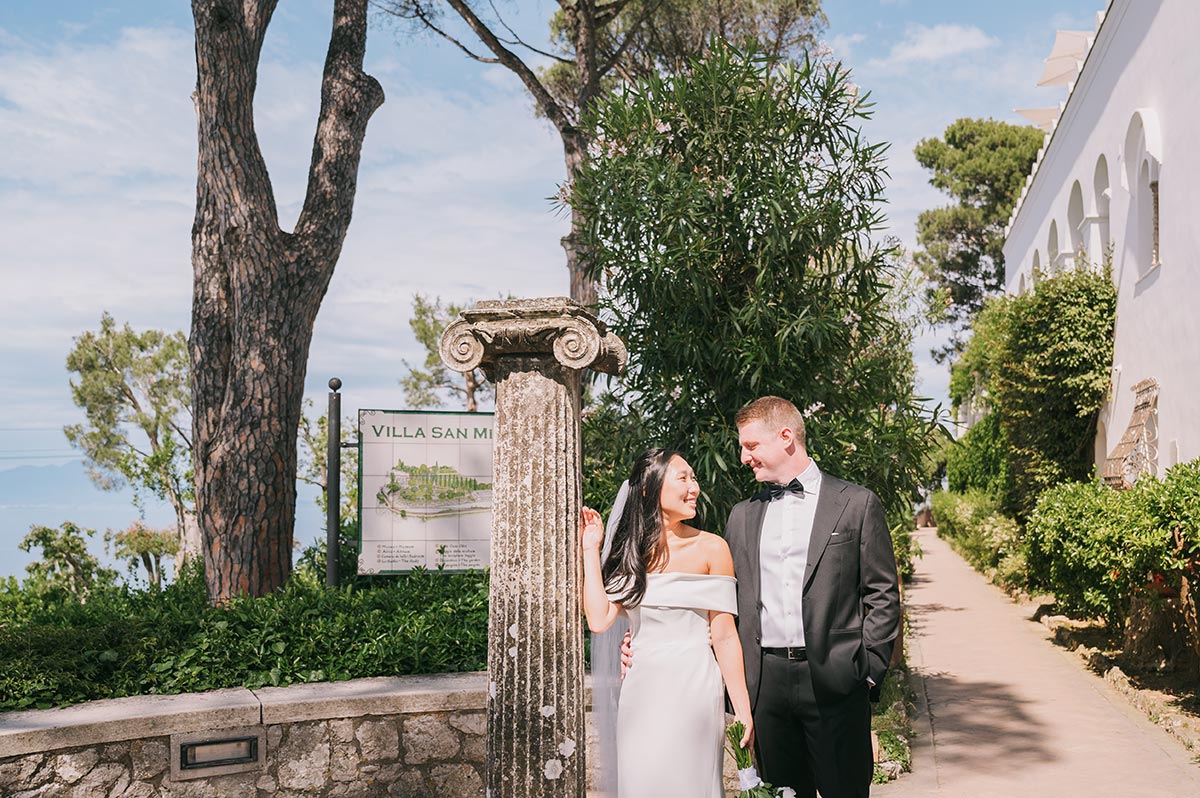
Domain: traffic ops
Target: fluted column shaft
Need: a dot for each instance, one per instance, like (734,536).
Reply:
(534,352)
(535,635)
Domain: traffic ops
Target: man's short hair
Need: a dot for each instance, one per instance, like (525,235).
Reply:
(774,411)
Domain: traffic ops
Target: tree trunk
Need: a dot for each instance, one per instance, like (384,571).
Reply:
(472,386)
(583,289)
(191,542)
(151,573)
(575,144)
(1156,636)
(257,289)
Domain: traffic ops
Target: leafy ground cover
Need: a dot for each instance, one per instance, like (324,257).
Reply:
(891,722)
(56,651)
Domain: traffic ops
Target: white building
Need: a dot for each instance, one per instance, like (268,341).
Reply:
(1121,168)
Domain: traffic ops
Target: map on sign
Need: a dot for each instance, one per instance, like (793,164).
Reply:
(425,493)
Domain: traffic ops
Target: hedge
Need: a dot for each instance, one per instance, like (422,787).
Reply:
(1091,546)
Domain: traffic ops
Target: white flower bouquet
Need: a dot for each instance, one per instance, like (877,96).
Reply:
(749,783)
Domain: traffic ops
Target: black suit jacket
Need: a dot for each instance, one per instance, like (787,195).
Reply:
(850,602)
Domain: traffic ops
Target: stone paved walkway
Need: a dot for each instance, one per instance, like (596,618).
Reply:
(1007,713)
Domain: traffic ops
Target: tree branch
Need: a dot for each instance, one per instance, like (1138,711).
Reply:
(258,15)
(615,57)
(553,111)
(606,14)
(183,435)
(516,39)
(420,14)
(349,97)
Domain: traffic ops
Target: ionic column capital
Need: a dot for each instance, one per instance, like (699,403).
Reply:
(554,326)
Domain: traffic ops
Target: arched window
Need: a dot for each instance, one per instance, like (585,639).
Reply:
(1102,196)
(1037,267)
(1155,258)
(1145,202)
(1075,220)
(1052,248)
(1021,284)
(1142,154)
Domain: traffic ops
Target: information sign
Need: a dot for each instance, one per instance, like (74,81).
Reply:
(425,493)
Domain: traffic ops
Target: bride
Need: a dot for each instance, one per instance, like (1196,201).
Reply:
(675,585)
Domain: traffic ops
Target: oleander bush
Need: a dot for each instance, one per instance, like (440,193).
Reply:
(734,216)
(55,650)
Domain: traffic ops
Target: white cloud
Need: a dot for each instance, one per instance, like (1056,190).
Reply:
(842,44)
(78,116)
(98,177)
(916,103)
(922,43)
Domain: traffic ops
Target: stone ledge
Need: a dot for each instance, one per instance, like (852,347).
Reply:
(384,695)
(114,719)
(136,717)
(140,717)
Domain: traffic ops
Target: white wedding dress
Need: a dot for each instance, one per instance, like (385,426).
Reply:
(671,710)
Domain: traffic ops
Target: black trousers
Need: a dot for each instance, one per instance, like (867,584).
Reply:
(811,746)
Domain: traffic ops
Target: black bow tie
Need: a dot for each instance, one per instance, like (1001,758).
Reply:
(776,490)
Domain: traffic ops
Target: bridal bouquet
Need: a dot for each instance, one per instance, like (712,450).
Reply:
(749,783)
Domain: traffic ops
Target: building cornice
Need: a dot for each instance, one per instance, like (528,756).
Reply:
(1076,93)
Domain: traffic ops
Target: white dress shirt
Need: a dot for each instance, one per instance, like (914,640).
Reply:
(787,527)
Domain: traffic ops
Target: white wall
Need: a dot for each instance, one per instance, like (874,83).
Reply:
(1134,115)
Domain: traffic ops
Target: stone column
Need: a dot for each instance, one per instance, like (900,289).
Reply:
(534,350)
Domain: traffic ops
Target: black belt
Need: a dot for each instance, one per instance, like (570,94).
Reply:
(794,653)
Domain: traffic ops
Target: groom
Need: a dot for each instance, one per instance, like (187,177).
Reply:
(818,608)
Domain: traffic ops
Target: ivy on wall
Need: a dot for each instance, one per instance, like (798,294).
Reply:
(980,462)
(1043,361)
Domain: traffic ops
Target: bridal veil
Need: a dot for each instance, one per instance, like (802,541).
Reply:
(606,674)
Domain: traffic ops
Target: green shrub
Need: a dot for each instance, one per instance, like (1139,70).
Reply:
(129,642)
(902,526)
(1050,376)
(956,514)
(1174,503)
(978,460)
(984,536)
(1089,545)
(1012,571)
(992,540)
(1093,547)
(1041,361)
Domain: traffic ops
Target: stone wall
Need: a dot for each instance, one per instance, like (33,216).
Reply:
(414,737)
(403,736)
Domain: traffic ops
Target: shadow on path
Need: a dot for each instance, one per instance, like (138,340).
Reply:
(984,726)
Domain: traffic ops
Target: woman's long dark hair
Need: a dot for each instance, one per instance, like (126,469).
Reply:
(638,544)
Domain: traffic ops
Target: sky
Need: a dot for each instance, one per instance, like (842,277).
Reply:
(97,184)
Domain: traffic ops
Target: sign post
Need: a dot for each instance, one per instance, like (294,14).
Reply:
(333,483)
